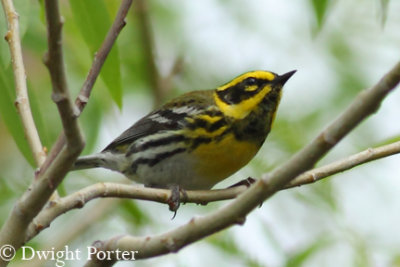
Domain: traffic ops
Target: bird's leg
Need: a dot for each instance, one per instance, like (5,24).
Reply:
(174,200)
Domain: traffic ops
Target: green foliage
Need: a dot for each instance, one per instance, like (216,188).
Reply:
(320,8)
(94,27)
(92,123)
(299,258)
(133,214)
(226,244)
(321,195)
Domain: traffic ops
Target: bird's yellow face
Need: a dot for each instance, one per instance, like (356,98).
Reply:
(244,93)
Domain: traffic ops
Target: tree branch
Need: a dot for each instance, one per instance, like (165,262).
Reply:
(344,164)
(22,101)
(366,103)
(54,60)
(107,190)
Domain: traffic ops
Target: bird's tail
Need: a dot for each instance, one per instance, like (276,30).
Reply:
(88,162)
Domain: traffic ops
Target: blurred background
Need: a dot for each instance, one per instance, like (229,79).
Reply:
(339,47)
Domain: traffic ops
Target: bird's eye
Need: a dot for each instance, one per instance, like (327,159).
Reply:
(251,81)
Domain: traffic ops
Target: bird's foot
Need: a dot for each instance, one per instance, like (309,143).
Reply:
(174,201)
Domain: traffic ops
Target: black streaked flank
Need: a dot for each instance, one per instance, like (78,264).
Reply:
(216,125)
(198,141)
(175,138)
(153,161)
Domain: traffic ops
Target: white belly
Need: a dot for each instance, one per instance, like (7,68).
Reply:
(178,169)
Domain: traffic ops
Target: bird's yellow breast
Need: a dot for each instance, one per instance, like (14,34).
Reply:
(219,159)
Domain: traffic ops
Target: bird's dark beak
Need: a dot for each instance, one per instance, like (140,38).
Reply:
(282,79)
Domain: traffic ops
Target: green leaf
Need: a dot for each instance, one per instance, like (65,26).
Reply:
(92,122)
(24,10)
(299,258)
(226,244)
(93,21)
(10,115)
(43,128)
(132,213)
(319,8)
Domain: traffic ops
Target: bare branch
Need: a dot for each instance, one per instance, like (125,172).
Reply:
(22,101)
(102,53)
(366,103)
(345,164)
(54,60)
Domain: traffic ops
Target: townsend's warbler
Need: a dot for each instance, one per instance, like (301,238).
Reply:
(199,138)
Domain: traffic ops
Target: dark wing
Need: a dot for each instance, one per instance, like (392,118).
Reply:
(169,117)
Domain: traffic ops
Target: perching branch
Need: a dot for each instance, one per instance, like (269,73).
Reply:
(22,101)
(107,190)
(365,104)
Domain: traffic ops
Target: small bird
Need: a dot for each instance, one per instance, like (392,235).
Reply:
(197,139)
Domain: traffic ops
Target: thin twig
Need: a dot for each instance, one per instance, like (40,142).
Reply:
(344,164)
(366,103)
(22,101)
(106,190)
(102,53)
